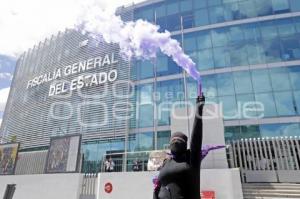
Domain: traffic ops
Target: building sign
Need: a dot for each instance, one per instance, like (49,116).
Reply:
(108,187)
(63,154)
(208,195)
(8,158)
(80,81)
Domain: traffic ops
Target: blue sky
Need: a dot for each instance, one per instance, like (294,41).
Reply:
(7,66)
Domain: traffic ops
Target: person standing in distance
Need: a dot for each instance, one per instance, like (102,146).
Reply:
(179,177)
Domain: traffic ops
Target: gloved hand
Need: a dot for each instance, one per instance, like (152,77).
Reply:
(201,99)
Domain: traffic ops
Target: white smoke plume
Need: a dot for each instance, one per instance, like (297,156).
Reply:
(139,39)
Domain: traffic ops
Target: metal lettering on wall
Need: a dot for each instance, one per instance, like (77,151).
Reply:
(93,81)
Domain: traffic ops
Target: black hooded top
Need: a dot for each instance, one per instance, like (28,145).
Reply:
(179,177)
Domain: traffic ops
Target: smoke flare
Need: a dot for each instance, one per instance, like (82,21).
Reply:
(139,39)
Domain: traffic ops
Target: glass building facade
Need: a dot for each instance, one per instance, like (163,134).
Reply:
(246,50)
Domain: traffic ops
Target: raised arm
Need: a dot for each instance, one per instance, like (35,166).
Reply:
(197,134)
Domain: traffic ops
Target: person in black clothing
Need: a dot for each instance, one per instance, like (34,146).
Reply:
(179,177)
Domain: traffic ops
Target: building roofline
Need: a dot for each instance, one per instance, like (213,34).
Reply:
(138,5)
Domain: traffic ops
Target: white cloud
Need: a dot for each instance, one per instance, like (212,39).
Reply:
(3,98)
(6,76)
(24,23)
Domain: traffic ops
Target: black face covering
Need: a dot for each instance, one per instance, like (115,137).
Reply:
(178,144)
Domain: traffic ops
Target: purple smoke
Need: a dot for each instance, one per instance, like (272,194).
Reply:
(139,39)
(207,148)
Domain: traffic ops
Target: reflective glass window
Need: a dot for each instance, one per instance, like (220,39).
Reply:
(221,57)
(297,24)
(173,22)
(214,2)
(216,14)
(230,1)
(247,9)
(172,7)
(267,100)
(280,79)
(145,69)
(148,14)
(284,103)
(246,105)
(292,129)
(173,67)
(290,48)
(141,142)
(91,152)
(219,37)
(238,54)
(163,139)
(261,81)
(295,5)
(252,32)
(190,43)
(135,99)
(117,145)
(145,110)
(103,148)
(232,133)
(188,20)
(270,130)
(242,82)
(200,4)
(161,22)
(204,40)
(264,7)
(214,100)
(280,6)
(297,101)
(192,90)
(286,27)
(272,50)
(169,69)
(229,106)
(205,59)
(201,17)
(231,11)
(186,5)
(209,85)
(256,53)
(225,84)
(160,11)
(251,131)
(162,64)
(133,71)
(145,106)
(278,130)
(235,34)
(268,30)
(137,14)
(295,77)
(168,92)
